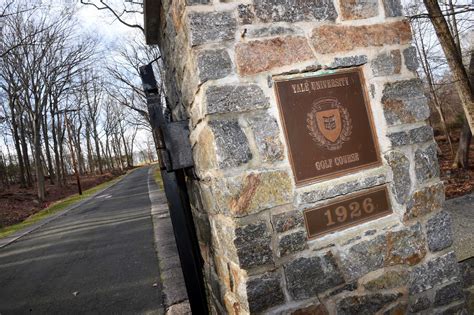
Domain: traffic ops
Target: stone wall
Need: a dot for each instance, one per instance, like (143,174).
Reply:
(221,59)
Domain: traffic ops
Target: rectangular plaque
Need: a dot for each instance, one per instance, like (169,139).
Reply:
(347,211)
(328,125)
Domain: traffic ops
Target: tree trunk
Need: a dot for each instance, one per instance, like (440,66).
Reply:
(459,73)
(462,155)
(16,140)
(97,148)
(107,149)
(89,149)
(26,159)
(37,153)
(57,161)
(125,147)
(61,133)
(48,151)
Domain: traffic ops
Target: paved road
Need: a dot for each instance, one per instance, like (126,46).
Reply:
(97,259)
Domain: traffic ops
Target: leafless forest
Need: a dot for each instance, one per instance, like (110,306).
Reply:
(69,105)
(446,65)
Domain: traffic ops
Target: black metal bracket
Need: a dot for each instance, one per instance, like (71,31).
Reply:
(176,136)
(175,158)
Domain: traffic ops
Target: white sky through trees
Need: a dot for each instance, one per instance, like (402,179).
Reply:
(110,34)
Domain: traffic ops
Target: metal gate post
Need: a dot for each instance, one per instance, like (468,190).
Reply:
(175,155)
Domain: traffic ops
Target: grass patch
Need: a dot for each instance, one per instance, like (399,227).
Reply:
(55,207)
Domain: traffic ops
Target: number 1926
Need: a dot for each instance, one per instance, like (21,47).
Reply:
(354,210)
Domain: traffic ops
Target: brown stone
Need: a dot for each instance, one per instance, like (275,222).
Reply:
(232,304)
(331,38)
(359,9)
(319,309)
(204,152)
(425,201)
(406,246)
(397,309)
(388,280)
(222,270)
(248,193)
(262,55)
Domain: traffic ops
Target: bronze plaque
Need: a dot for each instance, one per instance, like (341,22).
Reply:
(328,125)
(347,211)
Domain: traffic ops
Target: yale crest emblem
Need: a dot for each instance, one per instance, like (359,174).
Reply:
(329,123)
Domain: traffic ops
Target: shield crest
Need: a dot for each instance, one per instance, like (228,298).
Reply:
(329,123)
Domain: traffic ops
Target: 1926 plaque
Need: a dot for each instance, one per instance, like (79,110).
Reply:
(328,125)
(348,211)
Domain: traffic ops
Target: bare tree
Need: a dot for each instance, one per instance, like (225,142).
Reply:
(454,59)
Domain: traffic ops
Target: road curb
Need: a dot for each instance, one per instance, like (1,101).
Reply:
(16,236)
(175,297)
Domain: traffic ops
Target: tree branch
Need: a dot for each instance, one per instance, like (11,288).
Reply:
(117,16)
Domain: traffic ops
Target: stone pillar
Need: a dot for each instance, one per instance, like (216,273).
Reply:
(222,60)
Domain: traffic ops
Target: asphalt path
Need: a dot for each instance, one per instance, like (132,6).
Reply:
(97,259)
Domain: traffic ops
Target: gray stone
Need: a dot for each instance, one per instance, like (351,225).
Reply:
(467,271)
(386,64)
(392,8)
(292,243)
(458,309)
(235,98)
(352,240)
(364,257)
(295,10)
(246,14)
(401,175)
(448,294)
(399,138)
(439,231)
(182,308)
(255,253)
(421,134)
(305,277)
(205,27)
(267,137)
(327,192)
(231,142)
(252,242)
(213,64)
(434,272)
(404,102)
(426,163)
(411,58)
(349,287)
(288,220)
(249,233)
(203,228)
(350,61)
(370,232)
(213,282)
(365,304)
(264,291)
(268,31)
(419,304)
(415,135)
(359,9)
(194,2)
